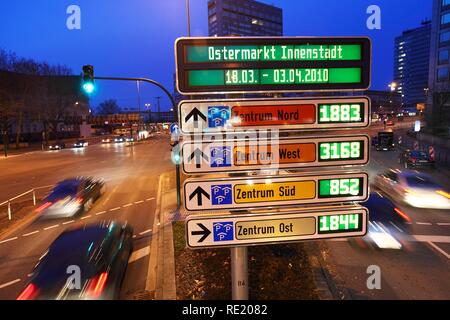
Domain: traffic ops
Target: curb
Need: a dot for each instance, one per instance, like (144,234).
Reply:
(161,281)
(327,289)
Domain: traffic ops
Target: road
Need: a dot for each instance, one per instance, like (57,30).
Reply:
(131,175)
(419,270)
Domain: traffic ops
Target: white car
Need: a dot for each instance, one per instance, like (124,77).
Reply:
(414,188)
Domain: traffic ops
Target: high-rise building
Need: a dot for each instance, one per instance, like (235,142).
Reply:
(411,64)
(438,103)
(244,18)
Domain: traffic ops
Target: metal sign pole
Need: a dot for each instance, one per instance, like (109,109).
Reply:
(239,273)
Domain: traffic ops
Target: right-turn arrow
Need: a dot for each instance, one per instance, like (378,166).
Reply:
(205,232)
(199,192)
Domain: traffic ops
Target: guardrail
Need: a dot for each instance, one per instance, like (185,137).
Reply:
(32,191)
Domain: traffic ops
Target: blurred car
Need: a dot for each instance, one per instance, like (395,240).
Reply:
(70,197)
(106,140)
(80,143)
(416,159)
(99,251)
(58,145)
(119,139)
(390,122)
(385,220)
(129,139)
(414,188)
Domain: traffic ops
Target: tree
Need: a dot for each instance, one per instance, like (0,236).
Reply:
(109,106)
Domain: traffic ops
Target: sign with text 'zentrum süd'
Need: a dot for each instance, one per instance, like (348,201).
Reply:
(210,116)
(284,153)
(262,64)
(274,191)
(264,228)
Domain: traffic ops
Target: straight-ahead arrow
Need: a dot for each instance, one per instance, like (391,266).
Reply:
(199,192)
(198,154)
(195,113)
(205,232)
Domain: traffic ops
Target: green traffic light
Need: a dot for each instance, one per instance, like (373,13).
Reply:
(88,87)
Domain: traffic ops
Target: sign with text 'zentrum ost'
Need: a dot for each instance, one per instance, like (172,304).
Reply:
(284,153)
(264,228)
(262,64)
(274,191)
(209,116)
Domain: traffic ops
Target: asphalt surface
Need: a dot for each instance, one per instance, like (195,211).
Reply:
(418,270)
(131,175)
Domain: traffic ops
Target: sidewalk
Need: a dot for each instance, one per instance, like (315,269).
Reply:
(161,271)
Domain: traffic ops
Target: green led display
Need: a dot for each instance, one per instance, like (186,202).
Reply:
(341,187)
(293,76)
(339,223)
(272,64)
(340,113)
(330,151)
(321,52)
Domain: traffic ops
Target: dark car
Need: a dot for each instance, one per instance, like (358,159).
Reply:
(384,141)
(416,159)
(58,145)
(70,197)
(80,143)
(385,221)
(83,263)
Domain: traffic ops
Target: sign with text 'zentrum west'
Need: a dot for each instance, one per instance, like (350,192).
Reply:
(210,116)
(271,64)
(264,228)
(273,191)
(284,153)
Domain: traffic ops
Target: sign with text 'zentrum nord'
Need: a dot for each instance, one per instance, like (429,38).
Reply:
(284,153)
(273,191)
(210,116)
(264,228)
(272,64)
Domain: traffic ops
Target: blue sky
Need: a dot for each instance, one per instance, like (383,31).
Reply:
(136,37)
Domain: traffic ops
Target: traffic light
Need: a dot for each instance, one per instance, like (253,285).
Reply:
(88,79)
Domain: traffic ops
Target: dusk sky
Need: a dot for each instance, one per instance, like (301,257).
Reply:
(135,38)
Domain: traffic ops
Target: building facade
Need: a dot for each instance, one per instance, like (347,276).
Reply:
(411,65)
(438,103)
(244,18)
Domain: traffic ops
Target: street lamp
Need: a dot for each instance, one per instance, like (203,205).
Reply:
(393,86)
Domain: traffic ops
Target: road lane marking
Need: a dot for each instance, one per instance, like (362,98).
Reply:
(67,222)
(7,284)
(439,249)
(396,227)
(144,232)
(149,199)
(30,233)
(430,238)
(424,223)
(99,213)
(139,254)
(443,223)
(114,209)
(86,217)
(51,227)
(140,201)
(127,205)
(7,240)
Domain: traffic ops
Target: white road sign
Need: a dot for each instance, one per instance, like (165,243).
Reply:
(252,229)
